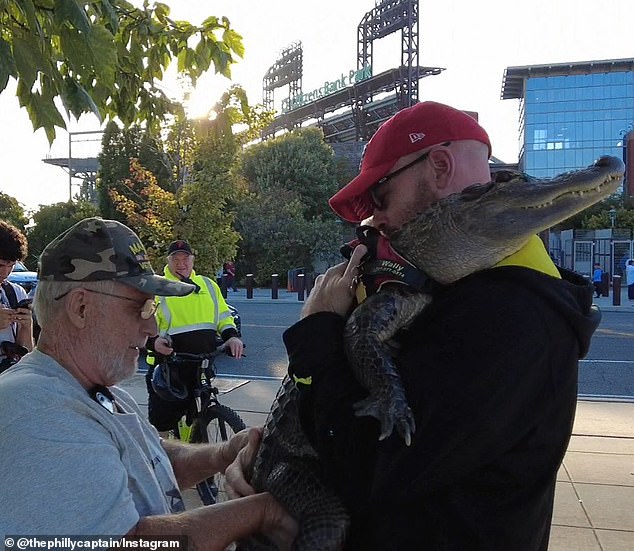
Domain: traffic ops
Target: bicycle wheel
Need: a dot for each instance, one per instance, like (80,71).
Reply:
(217,423)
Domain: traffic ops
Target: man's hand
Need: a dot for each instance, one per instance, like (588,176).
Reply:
(237,472)
(334,290)
(235,346)
(229,450)
(162,346)
(6,317)
(22,316)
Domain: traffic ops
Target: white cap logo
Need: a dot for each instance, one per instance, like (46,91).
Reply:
(416,137)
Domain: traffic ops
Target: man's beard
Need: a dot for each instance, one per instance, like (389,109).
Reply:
(119,366)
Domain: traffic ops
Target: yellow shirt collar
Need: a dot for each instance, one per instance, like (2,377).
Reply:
(532,255)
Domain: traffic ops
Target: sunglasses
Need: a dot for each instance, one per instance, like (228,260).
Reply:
(147,310)
(376,200)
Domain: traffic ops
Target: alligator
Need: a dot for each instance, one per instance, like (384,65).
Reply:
(456,236)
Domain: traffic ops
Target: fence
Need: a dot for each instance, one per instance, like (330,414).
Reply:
(578,250)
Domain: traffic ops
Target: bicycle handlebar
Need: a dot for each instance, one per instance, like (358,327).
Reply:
(188,356)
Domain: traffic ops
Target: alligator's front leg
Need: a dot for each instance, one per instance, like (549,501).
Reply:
(367,332)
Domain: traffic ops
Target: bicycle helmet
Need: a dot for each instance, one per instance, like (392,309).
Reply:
(168,385)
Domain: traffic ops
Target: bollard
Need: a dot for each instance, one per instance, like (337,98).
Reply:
(249,285)
(310,282)
(616,290)
(605,284)
(274,285)
(300,287)
(223,286)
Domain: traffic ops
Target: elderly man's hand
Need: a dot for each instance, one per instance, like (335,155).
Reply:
(237,472)
(335,290)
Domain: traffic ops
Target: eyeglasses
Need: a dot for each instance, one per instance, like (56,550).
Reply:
(376,200)
(147,310)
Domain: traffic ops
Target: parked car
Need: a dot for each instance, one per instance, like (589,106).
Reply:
(23,277)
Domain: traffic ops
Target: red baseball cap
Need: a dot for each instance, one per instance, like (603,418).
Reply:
(412,129)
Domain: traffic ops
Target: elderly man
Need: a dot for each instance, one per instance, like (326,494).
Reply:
(77,456)
(489,368)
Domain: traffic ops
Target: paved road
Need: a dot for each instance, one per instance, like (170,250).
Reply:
(607,371)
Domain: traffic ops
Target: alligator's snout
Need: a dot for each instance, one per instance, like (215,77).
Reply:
(613,163)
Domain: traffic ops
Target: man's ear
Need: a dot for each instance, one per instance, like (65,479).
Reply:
(442,164)
(76,306)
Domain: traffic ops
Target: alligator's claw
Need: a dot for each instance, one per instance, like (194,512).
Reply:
(391,414)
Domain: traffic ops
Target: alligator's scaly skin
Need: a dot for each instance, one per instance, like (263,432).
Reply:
(461,234)
(288,467)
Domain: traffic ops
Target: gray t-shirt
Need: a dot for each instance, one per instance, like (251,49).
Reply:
(68,465)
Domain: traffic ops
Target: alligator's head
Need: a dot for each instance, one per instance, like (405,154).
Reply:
(477,228)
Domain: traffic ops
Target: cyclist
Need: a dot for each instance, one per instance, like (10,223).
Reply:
(187,324)
(16,324)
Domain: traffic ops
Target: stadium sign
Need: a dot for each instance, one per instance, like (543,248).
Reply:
(329,87)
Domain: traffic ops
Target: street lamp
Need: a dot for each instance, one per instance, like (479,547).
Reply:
(612,214)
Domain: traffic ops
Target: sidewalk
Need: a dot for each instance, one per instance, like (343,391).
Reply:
(263,295)
(607,303)
(594,501)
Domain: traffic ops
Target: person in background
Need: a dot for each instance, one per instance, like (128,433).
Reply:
(629,279)
(597,279)
(80,457)
(229,273)
(187,324)
(16,323)
(489,367)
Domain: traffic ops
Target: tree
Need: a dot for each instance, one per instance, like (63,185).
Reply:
(284,220)
(104,57)
(52,220)
(118,147)
(11,211)
(598,215)
(208,153)
(146,208)
(299,162)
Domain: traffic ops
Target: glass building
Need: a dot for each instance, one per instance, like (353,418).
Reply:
(571,113)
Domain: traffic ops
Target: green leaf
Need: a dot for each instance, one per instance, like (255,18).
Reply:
(28,59)
(44,114)
(110,15)
(77,100)
(28,10)
(233,40)
(71,11)
(105,54)
(7,64)
(161,11)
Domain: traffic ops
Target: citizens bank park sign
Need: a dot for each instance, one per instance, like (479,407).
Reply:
(329,87)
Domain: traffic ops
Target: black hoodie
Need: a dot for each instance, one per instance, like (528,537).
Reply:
(490,371)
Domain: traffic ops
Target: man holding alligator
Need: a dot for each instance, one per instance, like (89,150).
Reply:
(489,368)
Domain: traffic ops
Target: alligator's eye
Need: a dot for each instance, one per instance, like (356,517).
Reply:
(475,191)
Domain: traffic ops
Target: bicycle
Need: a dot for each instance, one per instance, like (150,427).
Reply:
(207,420)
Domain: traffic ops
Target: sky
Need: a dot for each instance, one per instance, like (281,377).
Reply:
(473,41)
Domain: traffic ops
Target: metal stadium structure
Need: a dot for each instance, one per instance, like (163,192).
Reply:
(348,109)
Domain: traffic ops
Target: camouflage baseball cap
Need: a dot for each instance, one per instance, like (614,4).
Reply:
(95,249)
